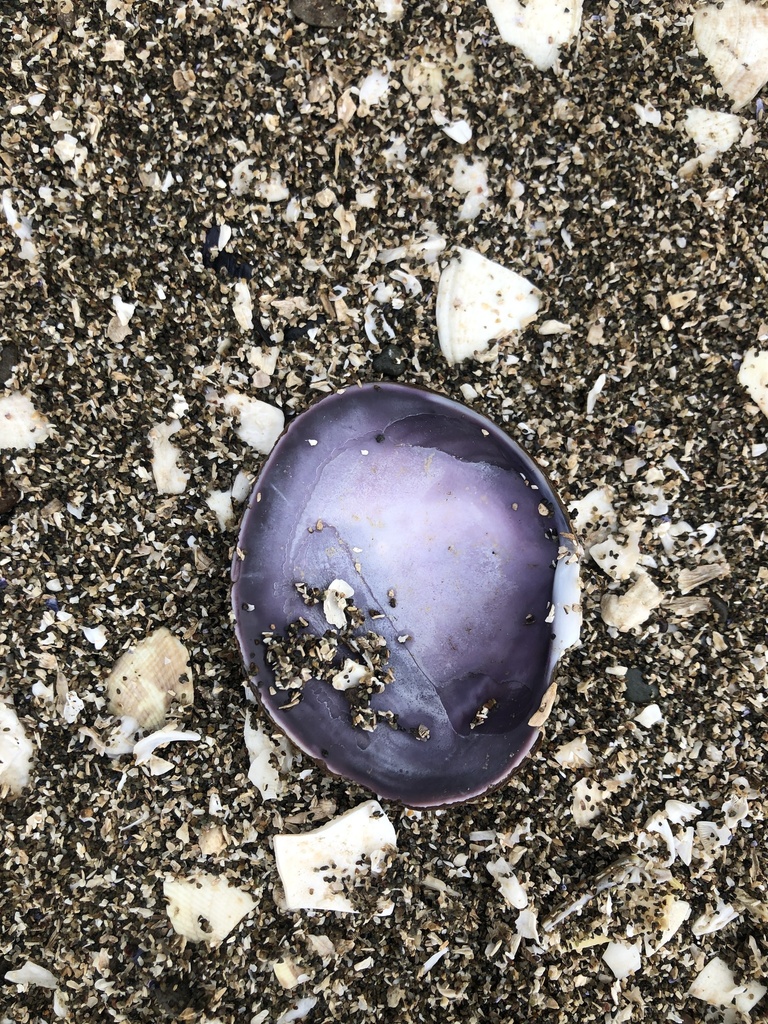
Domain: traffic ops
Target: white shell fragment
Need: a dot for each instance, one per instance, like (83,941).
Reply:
(350,675)
(714,920)
(714,132)
(220,503)
(21,227)
(631,609)
(21,425)
(753,375)
(733,37)
(205,908)
(242,306)
(715,984)
(479,301)
(144,750)
(470,179)
(258,424)
(148,678)
(314,867)
(650,715)
(289,974)
(123,310)
(15,752)
(511,889)
(674,913)
(647,114)
(170,478)
(623,958)
(539,28)
(575,754)
(619,558)
(31,973)
(336,597)
(266,756)
(459,131)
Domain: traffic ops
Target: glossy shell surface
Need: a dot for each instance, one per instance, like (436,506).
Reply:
(460,557)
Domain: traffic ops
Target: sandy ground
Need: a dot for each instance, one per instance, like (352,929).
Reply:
(620,876)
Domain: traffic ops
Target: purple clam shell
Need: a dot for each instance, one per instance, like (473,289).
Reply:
(441,522)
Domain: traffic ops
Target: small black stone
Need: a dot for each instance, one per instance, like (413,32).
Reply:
(637,691)
(174,995)
(10,496)
(319,13)
(9,356)
(391,361)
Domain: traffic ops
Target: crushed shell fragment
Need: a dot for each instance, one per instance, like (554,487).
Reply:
(148,678)
(733,37)
(315,867)
(205,908)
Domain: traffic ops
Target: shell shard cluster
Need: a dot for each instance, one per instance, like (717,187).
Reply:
(461,593)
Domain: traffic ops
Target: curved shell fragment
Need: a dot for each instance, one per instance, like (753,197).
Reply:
(539,28)
(15,752)
(753,375)
(148,678)
(733,37)
(21,425)
(205,908)
(479,301)
(315,867)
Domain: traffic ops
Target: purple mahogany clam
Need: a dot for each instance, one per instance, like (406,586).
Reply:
(405,582)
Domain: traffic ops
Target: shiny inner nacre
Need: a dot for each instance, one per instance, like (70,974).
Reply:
(465,592)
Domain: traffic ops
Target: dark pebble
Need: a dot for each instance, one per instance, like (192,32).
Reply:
(637,690)
(174,995)
(319,13)
(9,356)
(9,497)
(391,361)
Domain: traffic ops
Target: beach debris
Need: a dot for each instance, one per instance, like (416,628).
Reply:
(574,754)
(205,908)
(242,305)
(470,179)
(149,678)
(623,958)
(318,869)
(268,757)
(479,301)
(258,424)
(169,477)
(145,748)
(511,889)
(31,973)
(716,985)
(753,375)
(631,609)
(15,753)
(335,602)
(714,132)
(537,28)
(21,425)
(21,227)
(733,38)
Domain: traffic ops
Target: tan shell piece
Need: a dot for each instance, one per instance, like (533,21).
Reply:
(205,908)
(148,677)
(733,36)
